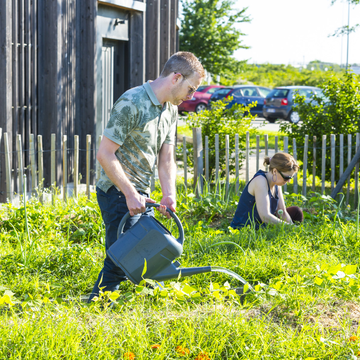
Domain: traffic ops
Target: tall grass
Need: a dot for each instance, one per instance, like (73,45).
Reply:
(306,283)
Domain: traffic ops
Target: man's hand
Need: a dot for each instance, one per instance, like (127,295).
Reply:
(167,201)
(137,203)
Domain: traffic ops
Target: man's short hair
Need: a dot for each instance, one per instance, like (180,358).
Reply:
(185,63)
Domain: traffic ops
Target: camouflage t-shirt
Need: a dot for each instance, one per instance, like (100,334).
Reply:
(140,125)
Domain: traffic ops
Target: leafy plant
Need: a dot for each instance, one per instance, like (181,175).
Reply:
(337,112)
(221,120)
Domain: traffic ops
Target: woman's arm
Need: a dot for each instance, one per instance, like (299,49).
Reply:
(259,188)
(281,206)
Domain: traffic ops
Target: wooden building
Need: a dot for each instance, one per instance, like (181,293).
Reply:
(63,63)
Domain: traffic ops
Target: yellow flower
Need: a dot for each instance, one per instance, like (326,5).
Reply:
(155,346)
(353,338)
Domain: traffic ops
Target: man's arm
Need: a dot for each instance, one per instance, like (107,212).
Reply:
(135,202)
(167,176)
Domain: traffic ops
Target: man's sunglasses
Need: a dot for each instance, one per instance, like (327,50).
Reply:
(285,177)
(192,89)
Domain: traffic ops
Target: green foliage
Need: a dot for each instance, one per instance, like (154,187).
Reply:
(302,277)
(209,30)
(223,121)
(337,112)
(282,75)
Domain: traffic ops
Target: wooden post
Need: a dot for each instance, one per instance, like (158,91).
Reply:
(357,173)
(286,150)
(314,164)
(295,157)
(347,173)
(305,161)
(257,152)
(9,192)
(41,168)
(198,161)
(237,167)
(349,160)
(65,168)
(332,160)
(53,168)
(217,162)
(266,138)
(88,154)
(247,156)
(98,166)
(341,159)
(185,161)
(276,144)
(20,164)
(323,163)
(33,164)
(207,159)
(76,165)
(227,165)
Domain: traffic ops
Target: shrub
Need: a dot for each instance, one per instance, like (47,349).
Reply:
(223,121)
(337,112)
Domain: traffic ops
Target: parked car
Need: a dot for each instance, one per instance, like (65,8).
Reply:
(221,94)
(279,102)
(247,94)
(199,101)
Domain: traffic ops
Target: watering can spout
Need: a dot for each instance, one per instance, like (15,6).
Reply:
(173,271)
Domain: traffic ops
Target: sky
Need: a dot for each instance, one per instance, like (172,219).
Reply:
(296,32)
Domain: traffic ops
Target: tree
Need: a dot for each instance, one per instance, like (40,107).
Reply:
(272,75)
(208,30)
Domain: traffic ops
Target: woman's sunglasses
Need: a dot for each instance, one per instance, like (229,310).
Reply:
(285,177)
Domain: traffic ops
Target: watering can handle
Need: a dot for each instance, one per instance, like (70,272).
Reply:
(173,215)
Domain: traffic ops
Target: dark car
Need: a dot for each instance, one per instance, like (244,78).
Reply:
(279,102)
(199,101)
(247,94)
(221,93)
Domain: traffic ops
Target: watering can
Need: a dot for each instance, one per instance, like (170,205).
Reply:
(149,240)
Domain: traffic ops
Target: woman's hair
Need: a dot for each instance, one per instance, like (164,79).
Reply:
(281,161)
(185,63)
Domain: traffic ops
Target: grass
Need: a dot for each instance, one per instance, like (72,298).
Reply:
(306,280)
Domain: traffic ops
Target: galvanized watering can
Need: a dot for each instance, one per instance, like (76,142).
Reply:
(149,239)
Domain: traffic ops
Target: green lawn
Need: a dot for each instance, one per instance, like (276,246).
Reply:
(305,302)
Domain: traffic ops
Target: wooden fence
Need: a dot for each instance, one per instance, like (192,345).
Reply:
(201,153)
(35,167)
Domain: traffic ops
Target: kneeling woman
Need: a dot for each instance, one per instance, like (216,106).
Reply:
(262,201)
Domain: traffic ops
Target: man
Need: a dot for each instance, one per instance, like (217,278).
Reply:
(142,125)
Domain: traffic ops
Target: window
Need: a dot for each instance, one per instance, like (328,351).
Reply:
(278,93)
(212,90)
(249,91)
(201,88)
(236,93)
(223,91)
(264,91)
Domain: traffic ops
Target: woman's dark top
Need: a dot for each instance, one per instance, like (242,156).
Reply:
(246,212)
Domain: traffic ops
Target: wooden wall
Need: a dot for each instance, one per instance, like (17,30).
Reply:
(48,71)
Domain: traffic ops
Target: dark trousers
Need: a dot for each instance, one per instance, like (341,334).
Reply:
(296,214)
(113,207)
